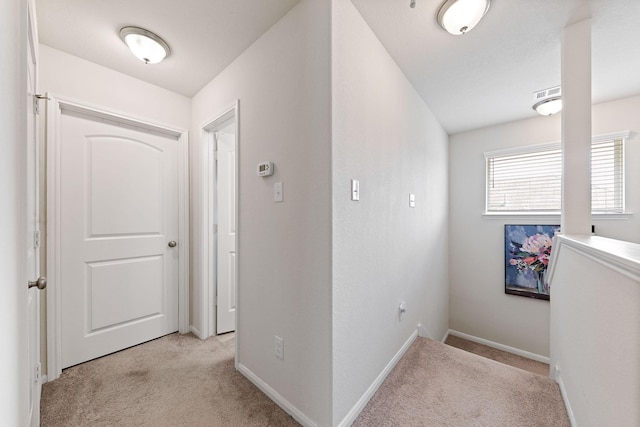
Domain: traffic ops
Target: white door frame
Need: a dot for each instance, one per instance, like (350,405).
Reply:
(206,264)
(55,106)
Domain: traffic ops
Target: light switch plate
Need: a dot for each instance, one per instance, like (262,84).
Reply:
(355,190)
(278,192)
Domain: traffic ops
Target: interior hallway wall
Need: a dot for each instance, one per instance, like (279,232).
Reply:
(284,249)
(384,251)
(479,306)
(71,77)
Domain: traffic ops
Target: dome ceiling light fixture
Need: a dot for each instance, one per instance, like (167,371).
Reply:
(548,101)
(145,45)
(459,17)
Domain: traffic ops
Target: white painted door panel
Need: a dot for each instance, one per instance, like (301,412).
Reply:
(226,213)
(119,210)
(33,219)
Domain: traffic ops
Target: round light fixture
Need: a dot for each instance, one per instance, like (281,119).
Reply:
(548,106)
(144,44)
(460,16)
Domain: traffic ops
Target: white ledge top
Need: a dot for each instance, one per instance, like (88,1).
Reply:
(615,254)
(618,248)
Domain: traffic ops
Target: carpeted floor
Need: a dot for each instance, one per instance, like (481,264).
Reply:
(499,355)
(179,380)
(438,385)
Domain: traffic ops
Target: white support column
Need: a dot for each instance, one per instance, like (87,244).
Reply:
(576,129)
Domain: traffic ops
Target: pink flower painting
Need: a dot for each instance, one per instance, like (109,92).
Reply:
(527,256)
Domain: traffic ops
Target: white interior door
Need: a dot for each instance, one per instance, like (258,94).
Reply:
(33,219)
(226,215)
(119,222)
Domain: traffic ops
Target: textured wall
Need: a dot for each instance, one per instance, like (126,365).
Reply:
(384,252)
(284,250)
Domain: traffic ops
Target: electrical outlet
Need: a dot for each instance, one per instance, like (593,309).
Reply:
(402,310)
(278,347)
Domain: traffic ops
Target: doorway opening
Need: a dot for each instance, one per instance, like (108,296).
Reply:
(220,191)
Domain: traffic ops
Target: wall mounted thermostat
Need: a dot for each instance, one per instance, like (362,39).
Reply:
(265,169)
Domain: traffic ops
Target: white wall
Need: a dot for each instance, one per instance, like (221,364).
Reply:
(595,329)
(14,393)
(385,136)
(478,304)
(74,78)
(284,249)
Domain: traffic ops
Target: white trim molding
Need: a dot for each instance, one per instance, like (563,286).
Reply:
(205,237)
(55,105)
(508,349)
(555,374)
(364,399)
(287,406)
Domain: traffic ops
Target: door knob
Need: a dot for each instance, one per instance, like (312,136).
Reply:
(41,283)
(172,244)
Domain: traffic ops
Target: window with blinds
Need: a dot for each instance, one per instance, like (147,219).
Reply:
(530,179)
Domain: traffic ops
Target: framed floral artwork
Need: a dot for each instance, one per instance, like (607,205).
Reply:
(527,251)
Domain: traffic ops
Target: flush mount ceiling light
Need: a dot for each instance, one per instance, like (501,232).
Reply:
(145,45)
(460,16)
(548,101)
(548,106)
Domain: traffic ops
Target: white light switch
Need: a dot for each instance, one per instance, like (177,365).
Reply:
(355,189)
(278,192)
(412,200)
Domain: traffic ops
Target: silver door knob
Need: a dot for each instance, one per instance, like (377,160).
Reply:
(41,283)
(172,244)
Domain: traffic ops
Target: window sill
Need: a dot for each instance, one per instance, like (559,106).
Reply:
(552,215)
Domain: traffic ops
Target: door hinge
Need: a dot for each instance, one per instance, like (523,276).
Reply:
(36,239)
(36,105)
(37,373)
(215,228)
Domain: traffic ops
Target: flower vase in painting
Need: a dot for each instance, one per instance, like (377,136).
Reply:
(527,255)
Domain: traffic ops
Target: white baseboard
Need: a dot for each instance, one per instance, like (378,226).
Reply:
(195,332)
(362,402)
(499,346)
(44,379)
(565,398)
(446,335)
(287,406)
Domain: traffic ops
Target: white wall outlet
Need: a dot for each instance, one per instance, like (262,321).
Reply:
(278,346)
(412,200)
(402,310)
(355,190)
(278,192)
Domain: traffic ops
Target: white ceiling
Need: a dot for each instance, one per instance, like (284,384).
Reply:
(485,77)
(488,75)
(204,35)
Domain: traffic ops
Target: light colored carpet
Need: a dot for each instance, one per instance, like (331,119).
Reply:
(177,380)
(438,385)
(499,355)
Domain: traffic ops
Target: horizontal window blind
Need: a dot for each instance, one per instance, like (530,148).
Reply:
(531,181)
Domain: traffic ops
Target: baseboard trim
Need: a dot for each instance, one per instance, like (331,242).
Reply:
(287,406)
(195,331)
(362,402)
(44,379)
(498,346)
(565,398)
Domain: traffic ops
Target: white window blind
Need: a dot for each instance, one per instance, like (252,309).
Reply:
(530,179)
